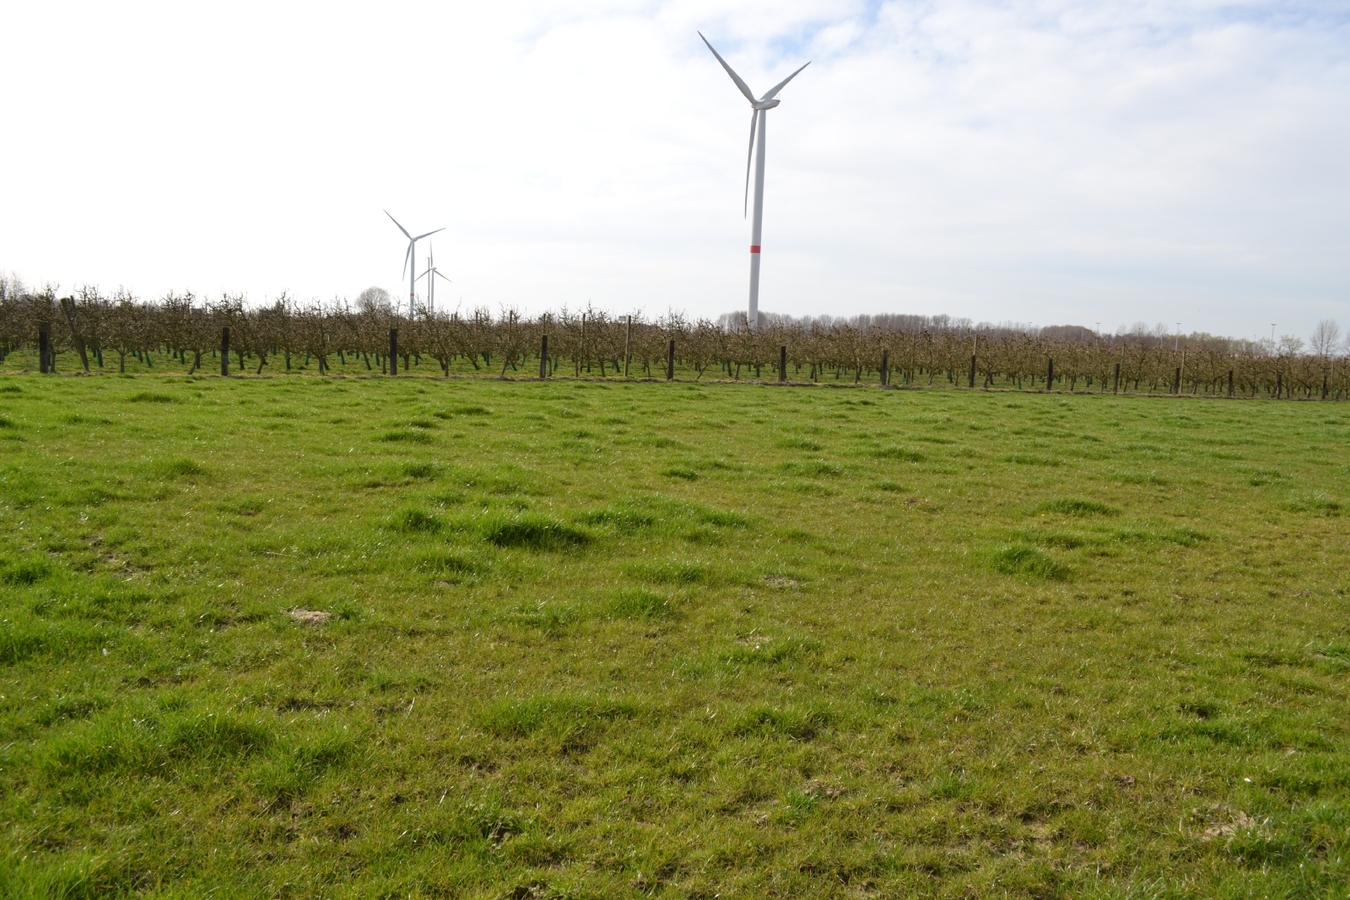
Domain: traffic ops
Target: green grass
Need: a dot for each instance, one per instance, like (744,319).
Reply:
(677,640)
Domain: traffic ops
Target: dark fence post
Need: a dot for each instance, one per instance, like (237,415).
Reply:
(1324,386)
(885,367)
(627,346)
(225,351)
(44,346)
(782,363)
(1230,382)
(1050,376)
(972,371)
(1176,382)
(1115,385)
(393,351)
(670,362)
(543,357)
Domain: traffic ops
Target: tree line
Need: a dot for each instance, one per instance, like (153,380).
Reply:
(91,331)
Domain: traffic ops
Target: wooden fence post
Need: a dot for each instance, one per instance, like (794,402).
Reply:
(225,351)
(972,371)
(1230,382)
(44,346)
(393,351)
(1115,385)
(782,363)
(1176,382)
(1050,376)
(885,367)
(627,346)
(543,357)
(670,361)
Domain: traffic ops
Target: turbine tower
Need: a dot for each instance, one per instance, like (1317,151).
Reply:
(410,262)
(431,274)
(759,110)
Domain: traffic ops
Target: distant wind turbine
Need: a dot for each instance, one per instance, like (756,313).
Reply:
(410,261)
(431,274)
(758,119)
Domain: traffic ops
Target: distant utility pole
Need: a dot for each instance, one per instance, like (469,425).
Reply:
(1272,332)
(1177,344)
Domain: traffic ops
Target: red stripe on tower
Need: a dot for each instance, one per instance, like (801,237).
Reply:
(754,248)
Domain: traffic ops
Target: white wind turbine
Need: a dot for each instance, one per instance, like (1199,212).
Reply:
(431,274)
(410,262)
(758,119)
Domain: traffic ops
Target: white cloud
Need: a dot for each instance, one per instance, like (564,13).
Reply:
(1036,161)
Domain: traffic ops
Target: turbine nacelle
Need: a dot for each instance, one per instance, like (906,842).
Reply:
(767,104)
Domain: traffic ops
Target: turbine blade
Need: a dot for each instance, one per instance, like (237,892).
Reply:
(745,88)
(782,84)
(420,236)
(400,227)
(439,275)
(406,257)
(750,154)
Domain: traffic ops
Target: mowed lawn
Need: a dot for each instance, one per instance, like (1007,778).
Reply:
(594,639)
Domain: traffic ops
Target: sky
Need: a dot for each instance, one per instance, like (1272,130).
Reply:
(1040,162)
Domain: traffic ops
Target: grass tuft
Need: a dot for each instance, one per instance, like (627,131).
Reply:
(421,470)
(1030,459)
(1076,506)
(26,570)
(620,518)
(415,521)
(534,533)
(669,572)
(640,604)
(813,469)
(177,468)
(1315,502)
(150,397)
(468,410)
(903,454)
(1018,560)
(572,721)
(790,722)
(403,435)
(445,563)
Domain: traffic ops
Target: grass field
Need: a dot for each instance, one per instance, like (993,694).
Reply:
(674,640)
